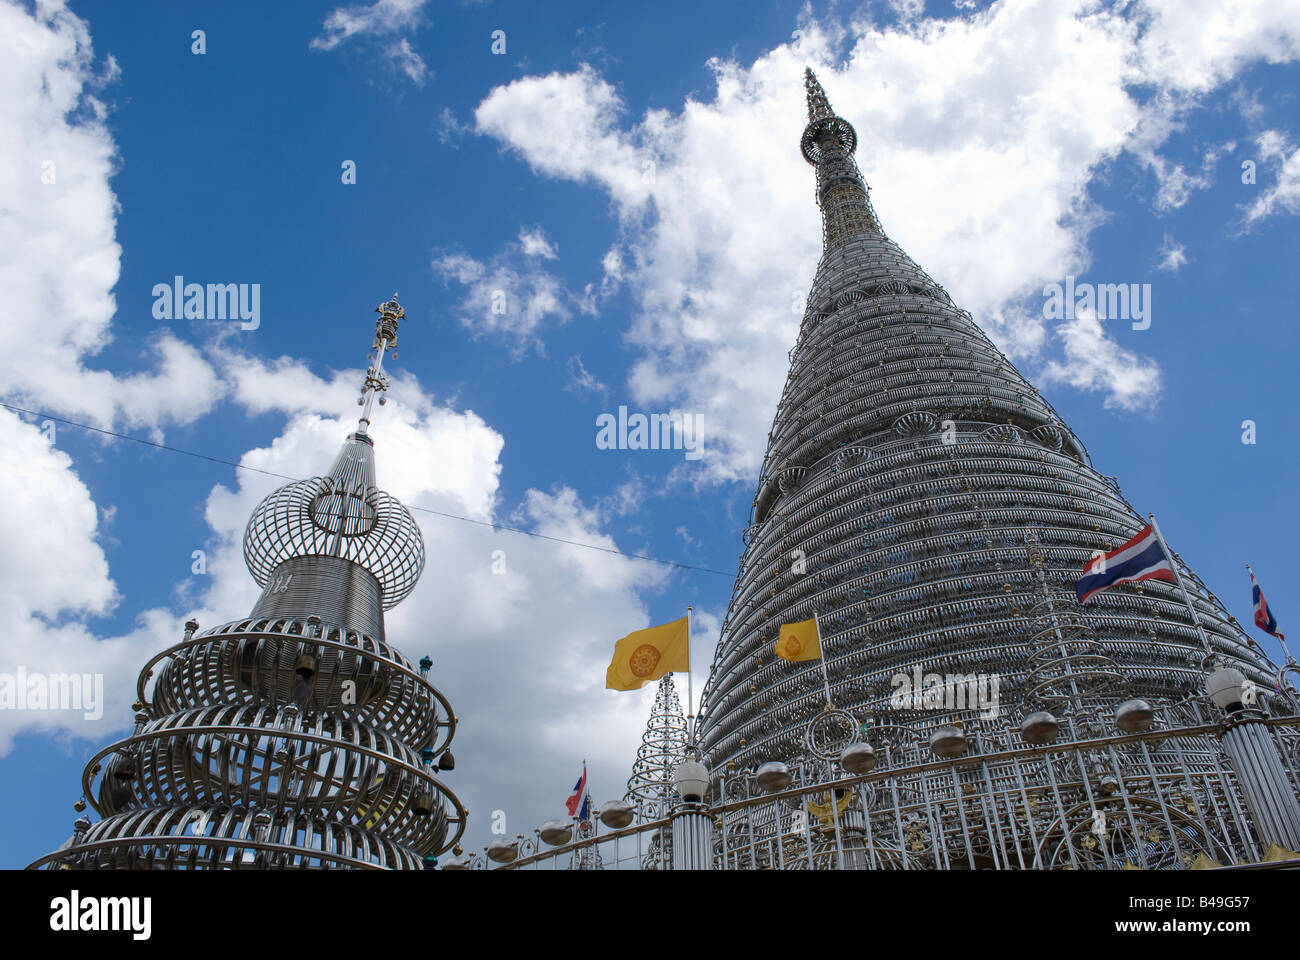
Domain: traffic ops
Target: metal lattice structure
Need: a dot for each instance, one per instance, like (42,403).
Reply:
(341,514)
(908,466)
(663,746)
(296,737)
(930,507)
(650,788)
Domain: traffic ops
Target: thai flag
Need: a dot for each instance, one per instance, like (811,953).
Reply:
(1140,559)
(1264,618)
(579,791)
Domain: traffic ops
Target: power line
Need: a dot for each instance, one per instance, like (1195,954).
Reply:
(280,476)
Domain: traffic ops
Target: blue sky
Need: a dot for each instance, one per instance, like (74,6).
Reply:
(630,182)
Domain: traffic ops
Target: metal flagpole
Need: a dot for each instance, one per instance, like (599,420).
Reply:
(821,652)
(690,686)
(1178,578)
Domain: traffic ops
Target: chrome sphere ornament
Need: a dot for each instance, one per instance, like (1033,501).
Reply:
(456,863)
(773,776)
(1134,716)
(858,758)
(1039,728)
(948,742)
(616,814)
(556,832)
(503,850)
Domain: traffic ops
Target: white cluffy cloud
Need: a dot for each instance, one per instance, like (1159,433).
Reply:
(582,380)
(1282,158)
(536,244)
(57,228)
(380,19)
(61,264)
(511,297)
(1173,255)
(980,162)
(48,508)
(1093,361)
(62,261)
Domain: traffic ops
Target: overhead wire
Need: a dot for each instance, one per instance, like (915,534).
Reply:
(437,513)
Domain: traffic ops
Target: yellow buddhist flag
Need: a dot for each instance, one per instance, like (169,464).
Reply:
(648,654)
(799,641)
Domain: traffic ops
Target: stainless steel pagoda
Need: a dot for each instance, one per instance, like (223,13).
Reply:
(907,469)
(296,737)
(933,512)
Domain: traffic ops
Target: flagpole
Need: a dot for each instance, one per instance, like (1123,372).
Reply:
(690,685)
(1178,578)
(822,657)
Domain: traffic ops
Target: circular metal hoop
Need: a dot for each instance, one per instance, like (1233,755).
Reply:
(810,144)
(830,732)
(319,517)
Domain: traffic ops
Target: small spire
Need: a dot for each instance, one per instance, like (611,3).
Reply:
(828,143)
(819,107)
(390,313)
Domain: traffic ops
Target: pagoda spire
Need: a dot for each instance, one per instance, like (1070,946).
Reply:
(376,382)
(663,746)
(828,143)
(927,503)
(819,108)
(296,736)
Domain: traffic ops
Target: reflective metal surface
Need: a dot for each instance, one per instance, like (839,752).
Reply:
(297,737)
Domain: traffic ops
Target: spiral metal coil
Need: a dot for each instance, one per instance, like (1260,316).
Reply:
(342,514)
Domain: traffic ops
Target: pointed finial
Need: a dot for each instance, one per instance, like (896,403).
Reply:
(818,106)
(824,127)
(386,326)
(390,314)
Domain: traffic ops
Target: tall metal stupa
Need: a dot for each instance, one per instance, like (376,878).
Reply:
(911,476)
(296,737)
(923,502)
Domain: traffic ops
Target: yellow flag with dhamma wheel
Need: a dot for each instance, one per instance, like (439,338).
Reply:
(799,641)
(647,655)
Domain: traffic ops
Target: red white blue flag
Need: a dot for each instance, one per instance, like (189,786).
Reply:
(1141,558)
(579,789)
(1264,618)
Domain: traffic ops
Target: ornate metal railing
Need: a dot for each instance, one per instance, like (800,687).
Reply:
(1160,798)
